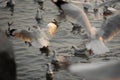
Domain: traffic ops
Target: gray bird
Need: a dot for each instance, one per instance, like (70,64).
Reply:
(11,4)
(49,73)
(39,15)
(80,52)
(76,28)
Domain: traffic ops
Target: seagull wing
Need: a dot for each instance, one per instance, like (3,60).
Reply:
(99,70)
(40,38)
(79,15)
(24,35)
(110,28)
(43,35)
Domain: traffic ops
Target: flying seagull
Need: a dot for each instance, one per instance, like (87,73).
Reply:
(97,38)
(37,37)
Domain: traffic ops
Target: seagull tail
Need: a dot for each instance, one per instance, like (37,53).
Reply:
(97,46)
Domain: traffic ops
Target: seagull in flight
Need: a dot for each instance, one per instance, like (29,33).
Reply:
(37,37)
(96,37)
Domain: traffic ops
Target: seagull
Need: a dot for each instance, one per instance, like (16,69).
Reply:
(59,62)
(10,4)
(7,59)
(80,53)
(76,28)
(86,5)
(40,3)
(109,70)
(96,10)
(37,37)
(49,74)
(107,8)
(96,37)
(106,3)
(107,11)
(38,16)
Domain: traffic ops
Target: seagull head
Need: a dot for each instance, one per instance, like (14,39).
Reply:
(58,3)
(52,27)
(11,32)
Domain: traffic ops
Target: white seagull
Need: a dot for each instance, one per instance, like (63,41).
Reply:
(108,30)
(38,37)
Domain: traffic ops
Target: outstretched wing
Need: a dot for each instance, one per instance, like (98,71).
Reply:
(24,35)
(110,2)
(99,70)
(79,15)
(43,35)
(110,28)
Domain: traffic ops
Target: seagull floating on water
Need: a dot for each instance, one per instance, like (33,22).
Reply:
(59,62)
(38,16)
(49,74)
(11,4)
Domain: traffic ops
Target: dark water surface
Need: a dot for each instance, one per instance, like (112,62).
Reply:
(30,62)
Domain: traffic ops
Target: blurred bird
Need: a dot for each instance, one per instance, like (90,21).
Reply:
(107,3)
(11,4)
(59,62)
(38,37)
(39,15)
(49,74)
(96,10)
(76,28)
(107,11)
(80,52)
(40,3)
(7,59)
(109,70)
(86,6)
(108,30)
